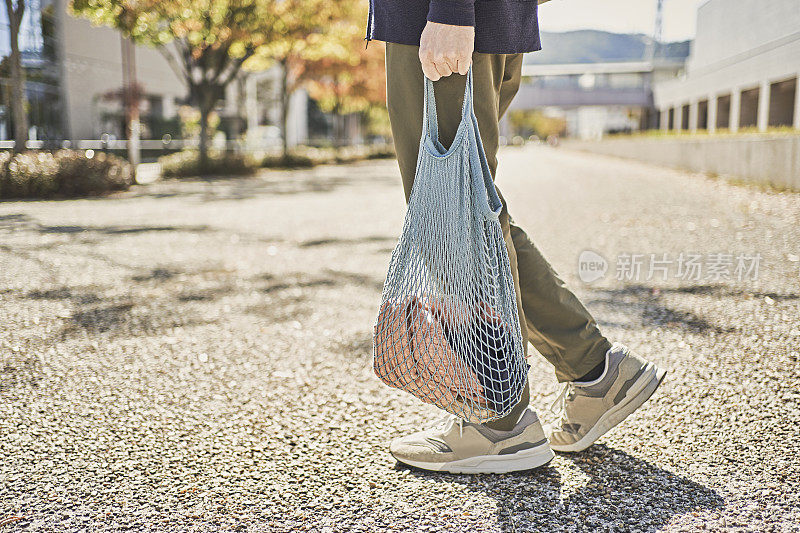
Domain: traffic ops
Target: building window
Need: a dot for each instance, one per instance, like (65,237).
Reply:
(782,98)
(748,112)
(724,111)
(37,41)
(702,115)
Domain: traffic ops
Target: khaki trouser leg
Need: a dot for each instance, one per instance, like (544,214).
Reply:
(559,326)
(496,80)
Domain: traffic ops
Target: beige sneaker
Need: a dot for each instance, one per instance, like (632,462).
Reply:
(452,445)
(589,410)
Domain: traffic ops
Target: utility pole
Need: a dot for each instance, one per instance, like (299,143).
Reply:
(655,43)
(651,52)
(130,98)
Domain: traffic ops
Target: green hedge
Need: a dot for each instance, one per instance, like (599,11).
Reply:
(306,156)
(63,173)
(187,164)
(294,159)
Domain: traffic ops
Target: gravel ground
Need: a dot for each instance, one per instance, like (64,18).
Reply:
(195,356)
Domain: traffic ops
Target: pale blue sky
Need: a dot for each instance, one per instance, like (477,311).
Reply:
(621,16)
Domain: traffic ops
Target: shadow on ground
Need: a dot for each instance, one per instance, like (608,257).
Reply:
(619,489)
(24,222)
(141,312)
(322,179)
(275,182)
(654,311)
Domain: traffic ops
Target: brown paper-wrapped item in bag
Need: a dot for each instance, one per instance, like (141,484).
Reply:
(412,353)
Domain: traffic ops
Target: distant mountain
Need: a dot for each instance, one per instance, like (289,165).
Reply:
(593,46)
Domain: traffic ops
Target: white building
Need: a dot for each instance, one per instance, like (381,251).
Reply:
(596,99)
(76,77)
(743,70)
(90,61)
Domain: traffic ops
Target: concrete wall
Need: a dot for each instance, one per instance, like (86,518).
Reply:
(772,159)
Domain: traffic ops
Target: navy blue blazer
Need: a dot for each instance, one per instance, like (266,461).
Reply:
(501,26)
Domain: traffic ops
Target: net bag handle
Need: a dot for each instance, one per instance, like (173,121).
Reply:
(430,119)
(488,201)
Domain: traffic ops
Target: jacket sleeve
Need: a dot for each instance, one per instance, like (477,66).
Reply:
(455,12)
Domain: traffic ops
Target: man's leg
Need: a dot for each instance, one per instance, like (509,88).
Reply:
(607,382)
(516,442)
(496,79)
(560,327)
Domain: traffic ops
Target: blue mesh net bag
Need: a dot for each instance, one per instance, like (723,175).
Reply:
(448,328)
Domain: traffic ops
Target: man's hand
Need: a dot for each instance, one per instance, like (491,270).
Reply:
(445,49)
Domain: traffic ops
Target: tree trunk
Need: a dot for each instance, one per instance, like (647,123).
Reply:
(338,126)
(285,108)
(131,102)
(204,136)
(17,78)
(241,106)
(206,98)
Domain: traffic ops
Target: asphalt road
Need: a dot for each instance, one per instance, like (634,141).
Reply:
(195,356)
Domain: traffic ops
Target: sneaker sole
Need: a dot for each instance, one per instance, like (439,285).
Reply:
(640,392)
(491,464)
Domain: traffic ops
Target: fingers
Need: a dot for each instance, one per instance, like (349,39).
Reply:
(443,65)
(430,70)
(435,67)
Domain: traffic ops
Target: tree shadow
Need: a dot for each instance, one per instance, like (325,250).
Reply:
(653,311)
(710,289)
(275,182)
(14,221)
(63,293)
(24,222)
(132,314)
(328,278)
(18,369)
(724,291)
(156,274)
(622,493)
(337,241)
(119,230)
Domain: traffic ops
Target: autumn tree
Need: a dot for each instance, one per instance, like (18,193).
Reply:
(14,13)
(537,122)
(348,83)
(307,31)
(206,42)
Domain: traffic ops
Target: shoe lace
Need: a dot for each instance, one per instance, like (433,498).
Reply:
(559,406)
(442,423)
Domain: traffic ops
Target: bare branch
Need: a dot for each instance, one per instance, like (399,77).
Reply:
(236,67)
(174,64)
